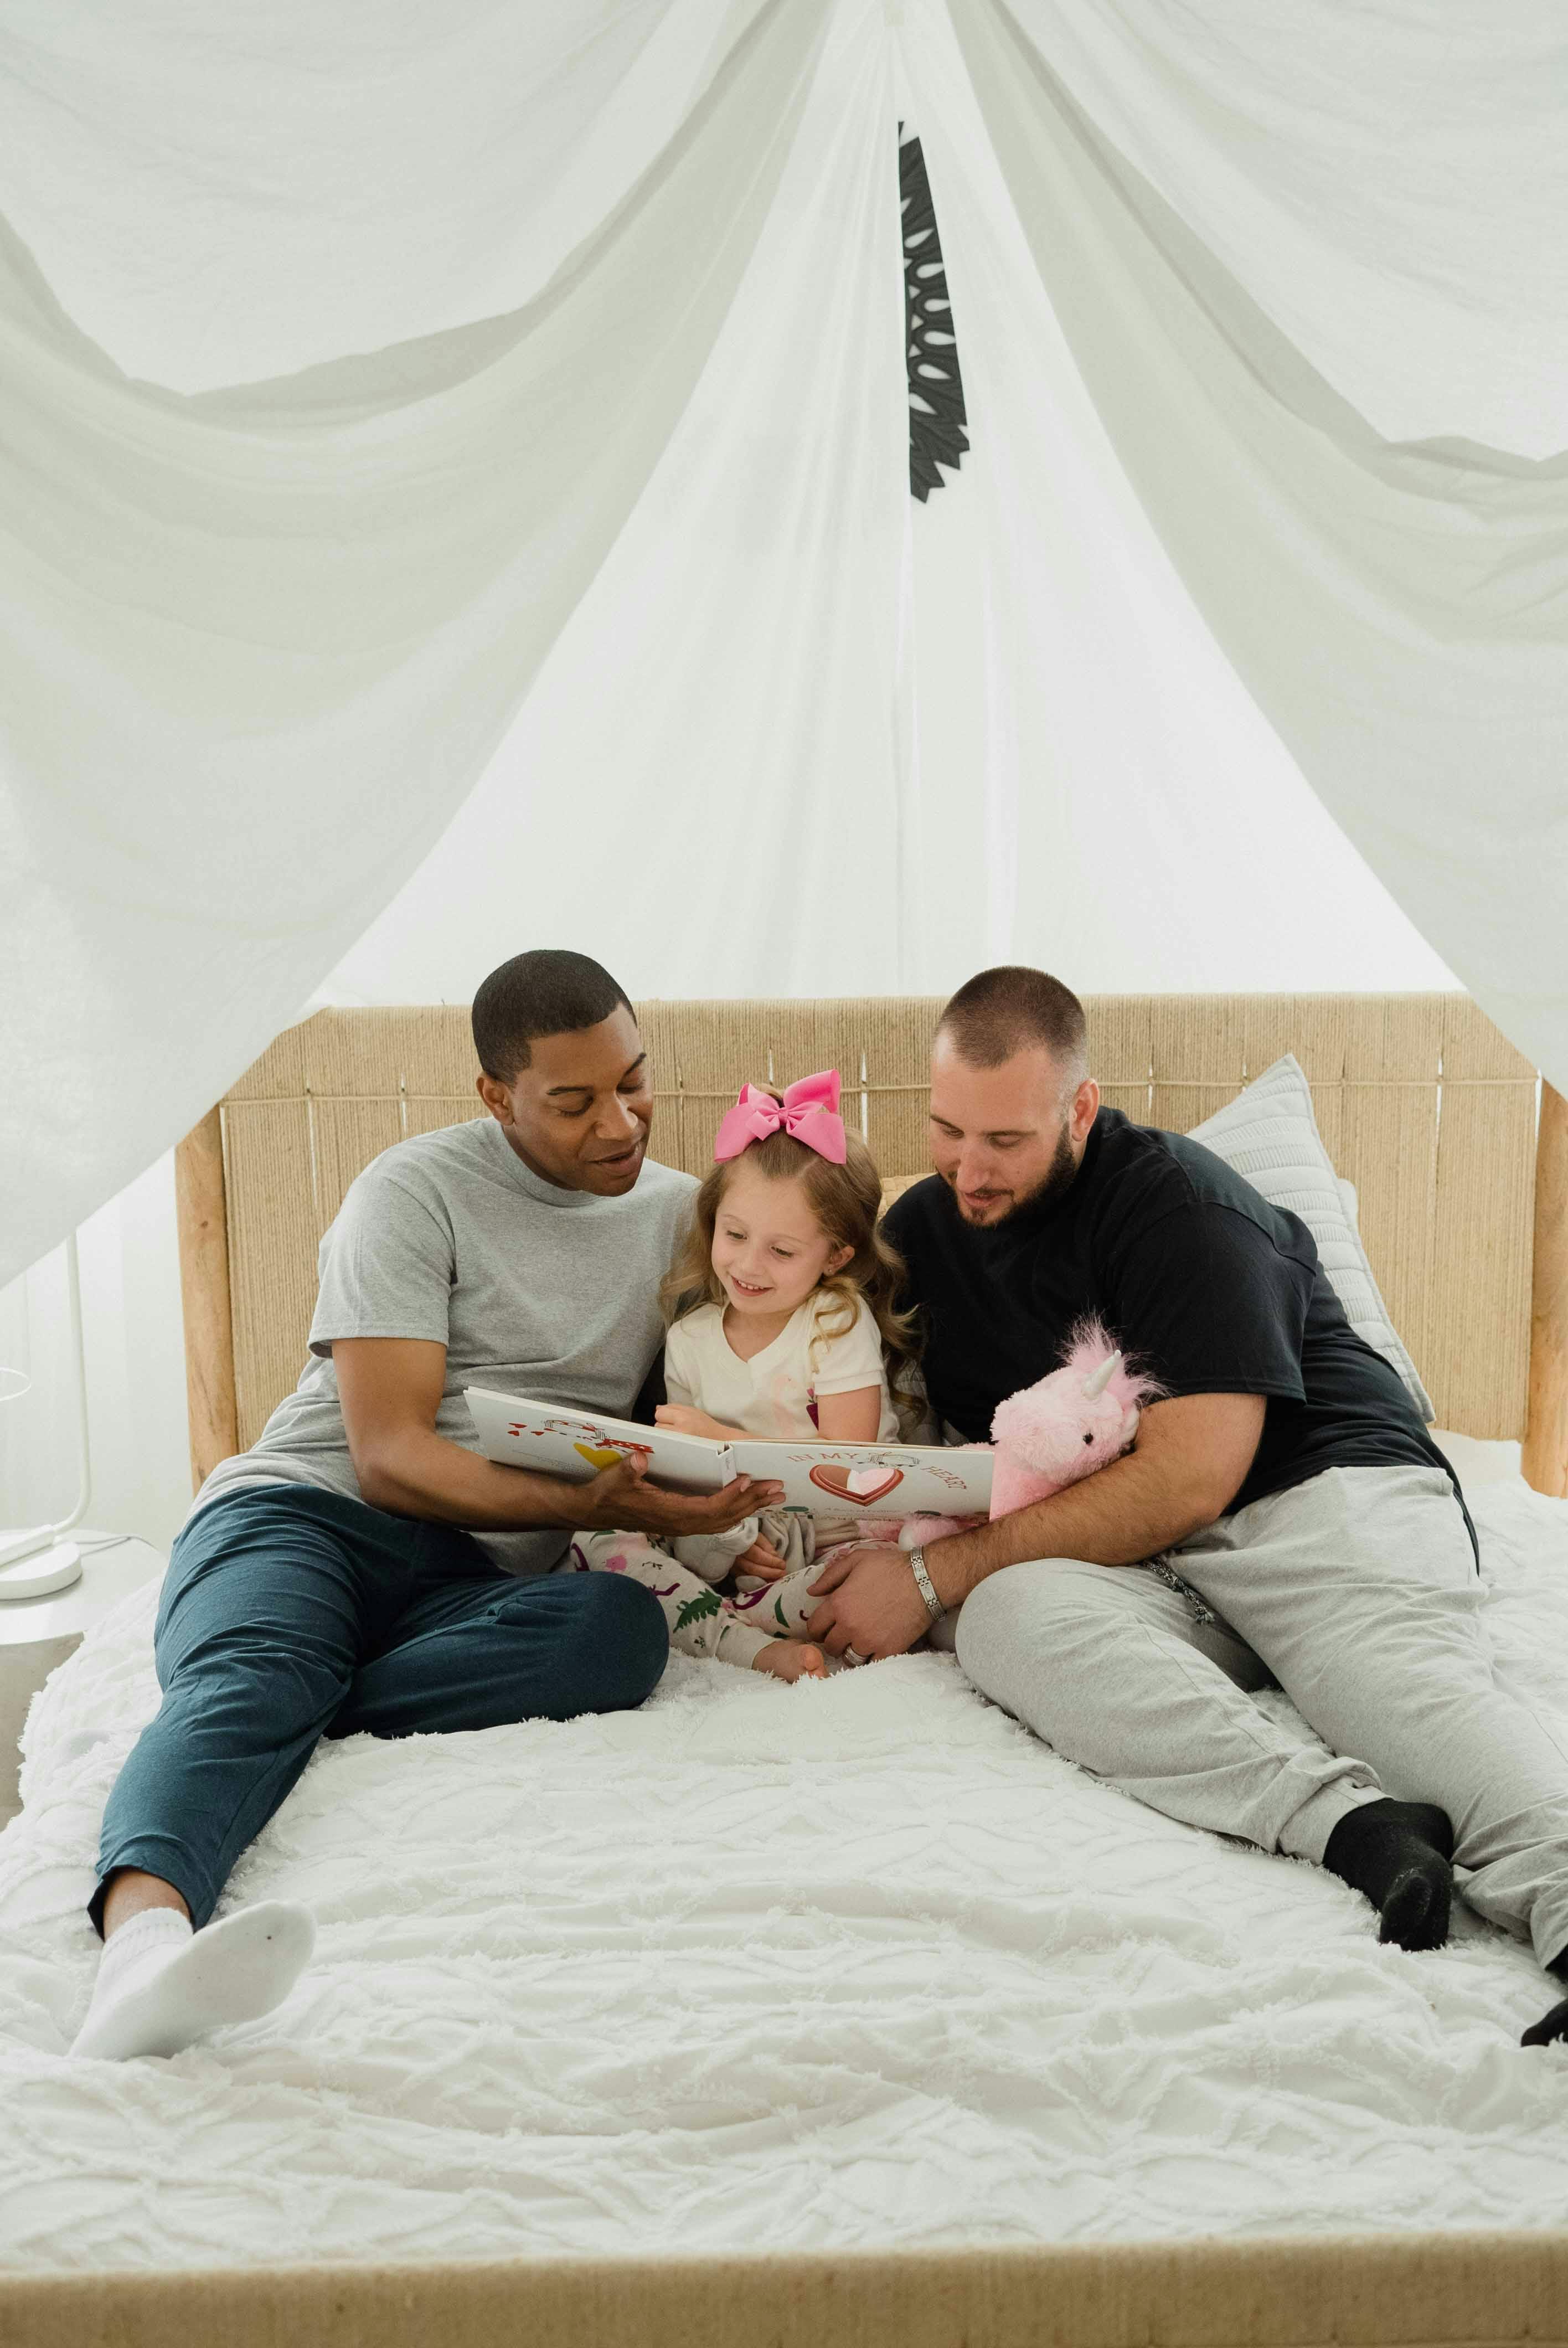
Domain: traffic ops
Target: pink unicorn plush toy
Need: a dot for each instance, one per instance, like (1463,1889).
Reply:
(1080,1418)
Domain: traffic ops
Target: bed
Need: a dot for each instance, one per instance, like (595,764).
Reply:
(843,2014)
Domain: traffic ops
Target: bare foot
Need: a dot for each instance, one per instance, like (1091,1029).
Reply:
(788,1660)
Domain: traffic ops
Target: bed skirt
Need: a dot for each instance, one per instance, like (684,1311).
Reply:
(1419,2291)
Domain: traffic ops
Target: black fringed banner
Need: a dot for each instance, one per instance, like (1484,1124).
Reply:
(937,418)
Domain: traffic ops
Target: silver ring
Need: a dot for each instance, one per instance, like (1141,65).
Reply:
(852,1656)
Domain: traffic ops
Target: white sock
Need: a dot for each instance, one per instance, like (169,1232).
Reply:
(161,1986)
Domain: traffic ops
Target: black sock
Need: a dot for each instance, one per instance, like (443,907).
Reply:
(1554,2024)
(1397,1854)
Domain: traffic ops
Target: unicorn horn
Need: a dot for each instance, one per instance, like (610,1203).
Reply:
(1095,1384)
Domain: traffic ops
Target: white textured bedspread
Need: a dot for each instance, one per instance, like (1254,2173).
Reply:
(797,1967)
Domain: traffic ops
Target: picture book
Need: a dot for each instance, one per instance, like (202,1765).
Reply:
(829,1480)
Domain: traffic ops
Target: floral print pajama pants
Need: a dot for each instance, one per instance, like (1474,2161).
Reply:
(731,1627)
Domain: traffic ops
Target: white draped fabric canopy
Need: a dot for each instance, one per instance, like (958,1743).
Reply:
(452,469)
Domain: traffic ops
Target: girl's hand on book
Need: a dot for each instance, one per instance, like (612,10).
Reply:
(681,1418)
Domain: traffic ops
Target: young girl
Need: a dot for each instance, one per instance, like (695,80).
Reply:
(783,1324)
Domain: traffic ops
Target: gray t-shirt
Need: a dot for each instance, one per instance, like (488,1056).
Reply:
(532,1288)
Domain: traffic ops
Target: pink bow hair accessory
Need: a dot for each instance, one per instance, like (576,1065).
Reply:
(808,1112)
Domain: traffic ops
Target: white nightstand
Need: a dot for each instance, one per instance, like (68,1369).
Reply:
(36,1633)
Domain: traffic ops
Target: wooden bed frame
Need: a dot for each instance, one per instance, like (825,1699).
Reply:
(1400,2290)
(1461,1162)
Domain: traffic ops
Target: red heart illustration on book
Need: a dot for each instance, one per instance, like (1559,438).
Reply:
(860,1485)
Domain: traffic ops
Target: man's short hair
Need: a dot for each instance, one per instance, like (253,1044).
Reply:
(1006,1009)
(550,992)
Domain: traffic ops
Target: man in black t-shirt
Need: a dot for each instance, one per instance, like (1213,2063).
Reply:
(1283,1513)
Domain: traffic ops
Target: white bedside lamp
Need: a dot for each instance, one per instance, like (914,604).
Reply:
(38,1558)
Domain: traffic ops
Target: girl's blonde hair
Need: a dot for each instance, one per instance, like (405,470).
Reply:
(847,1201)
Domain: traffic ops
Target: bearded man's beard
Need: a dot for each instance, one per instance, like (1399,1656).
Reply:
(1059,1176)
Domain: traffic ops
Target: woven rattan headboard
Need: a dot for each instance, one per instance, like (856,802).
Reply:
(1422,1105)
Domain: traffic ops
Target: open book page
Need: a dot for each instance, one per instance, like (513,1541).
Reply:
(829,1479)
(554,1440)
(873,1480)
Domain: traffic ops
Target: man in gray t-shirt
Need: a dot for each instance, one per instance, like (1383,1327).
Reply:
(453,1239)
(363,1567)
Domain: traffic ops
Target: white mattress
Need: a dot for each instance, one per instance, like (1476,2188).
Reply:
(764,1967)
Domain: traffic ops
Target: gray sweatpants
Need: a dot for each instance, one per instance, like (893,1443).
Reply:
(1358,1593)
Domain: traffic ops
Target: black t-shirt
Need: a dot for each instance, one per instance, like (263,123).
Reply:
(1209,1288)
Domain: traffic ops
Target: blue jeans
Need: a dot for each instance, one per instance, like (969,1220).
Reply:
(289,1615)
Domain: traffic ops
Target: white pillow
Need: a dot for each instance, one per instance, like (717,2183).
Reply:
(1269,1134)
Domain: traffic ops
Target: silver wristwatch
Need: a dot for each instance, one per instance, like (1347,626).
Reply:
(924,1584)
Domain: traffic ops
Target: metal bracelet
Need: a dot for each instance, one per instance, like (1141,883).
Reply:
(924,1584)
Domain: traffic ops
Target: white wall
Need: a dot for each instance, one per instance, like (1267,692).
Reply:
(136,1374)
